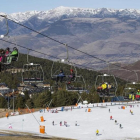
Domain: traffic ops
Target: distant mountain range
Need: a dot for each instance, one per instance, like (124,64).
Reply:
(112,35)
(67,12)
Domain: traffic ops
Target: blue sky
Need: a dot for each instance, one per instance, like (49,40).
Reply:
(13,6)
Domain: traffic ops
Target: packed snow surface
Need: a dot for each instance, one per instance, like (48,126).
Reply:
(88,122)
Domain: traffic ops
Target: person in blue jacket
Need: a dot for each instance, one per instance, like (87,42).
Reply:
(60,76)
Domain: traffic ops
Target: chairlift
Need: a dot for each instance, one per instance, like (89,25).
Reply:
(12,55)
(111,83)
(78,85)
(130,91)
(6,59)
(61,65)
(32,73)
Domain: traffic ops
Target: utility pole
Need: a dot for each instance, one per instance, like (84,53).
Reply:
(8,101)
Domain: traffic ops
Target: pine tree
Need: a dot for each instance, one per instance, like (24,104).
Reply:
(26,97)
(3,102)
(20,102)
(30,103)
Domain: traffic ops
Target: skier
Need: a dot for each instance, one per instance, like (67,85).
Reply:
(10,126)
(76,123)
(7,115)
(53,123)
(109,109)
(110,117)
(120,126)
(60,76)
(115,121)
(97,132)
(56,111)
(60,123)
(65,122)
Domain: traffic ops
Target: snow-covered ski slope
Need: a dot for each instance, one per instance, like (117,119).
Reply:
(88,122)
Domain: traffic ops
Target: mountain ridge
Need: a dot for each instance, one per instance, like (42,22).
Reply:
(75,12)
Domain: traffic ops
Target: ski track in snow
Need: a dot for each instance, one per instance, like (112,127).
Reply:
(88,122)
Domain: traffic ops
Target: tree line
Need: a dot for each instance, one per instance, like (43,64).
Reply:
(59,98)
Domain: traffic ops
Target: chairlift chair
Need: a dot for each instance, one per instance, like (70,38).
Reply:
(127,92)
(61,65)
(78,85)
(71,83)
(108,92)
(131,90)
(32,73)
(11,56)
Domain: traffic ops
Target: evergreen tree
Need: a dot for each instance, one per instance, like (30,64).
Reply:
(30,103)
(26,95)
(20,102)
(3,102)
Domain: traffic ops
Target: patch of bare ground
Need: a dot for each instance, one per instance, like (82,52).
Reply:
(14,135)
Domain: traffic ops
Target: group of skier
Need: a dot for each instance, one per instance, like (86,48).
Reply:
(6,56)
(61,75)
(134,95)
(65,123)
(104,89)
(138,94)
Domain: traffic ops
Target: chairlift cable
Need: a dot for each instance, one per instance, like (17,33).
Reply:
(61,42)
(82,66)
(43,53)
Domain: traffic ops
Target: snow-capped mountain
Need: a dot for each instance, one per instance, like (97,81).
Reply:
(109,34)
(68,12)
